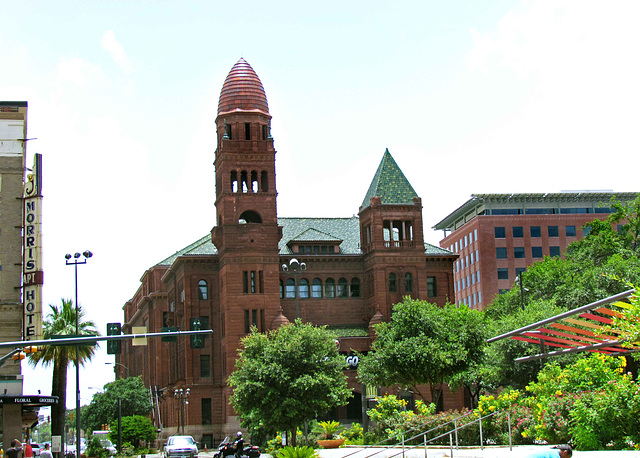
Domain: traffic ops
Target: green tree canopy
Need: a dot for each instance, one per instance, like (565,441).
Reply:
(62,322)
(589,271)
(135,429)
(424,344)
(103,408)
(286,377)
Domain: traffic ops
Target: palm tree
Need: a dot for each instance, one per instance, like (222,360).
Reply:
(62,321)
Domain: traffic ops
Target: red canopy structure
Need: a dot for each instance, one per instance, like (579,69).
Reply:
(578,330)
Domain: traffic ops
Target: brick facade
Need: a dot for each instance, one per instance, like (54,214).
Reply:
(235,278)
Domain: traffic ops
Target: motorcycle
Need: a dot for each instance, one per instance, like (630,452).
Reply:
(228,448)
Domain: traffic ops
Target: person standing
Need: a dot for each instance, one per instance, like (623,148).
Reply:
(14,451)
(46,453)
(561,451)
(28,450)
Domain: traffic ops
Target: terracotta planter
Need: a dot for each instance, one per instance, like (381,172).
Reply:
(330,443)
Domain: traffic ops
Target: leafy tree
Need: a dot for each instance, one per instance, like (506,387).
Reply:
(135,429)
(103,408)
(286,377)
(424,344)
(62,321)
(629,215)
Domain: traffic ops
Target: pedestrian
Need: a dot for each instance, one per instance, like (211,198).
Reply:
(14,451)
(561,451)
(46,453)
(28,450)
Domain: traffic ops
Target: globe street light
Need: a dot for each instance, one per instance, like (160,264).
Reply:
(182,396)
(74,262)
(295,266)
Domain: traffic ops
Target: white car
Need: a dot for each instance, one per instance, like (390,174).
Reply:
(181,447)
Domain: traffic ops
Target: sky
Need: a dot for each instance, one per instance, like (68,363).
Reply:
(469,97)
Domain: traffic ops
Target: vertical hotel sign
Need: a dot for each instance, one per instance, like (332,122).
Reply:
(32,252)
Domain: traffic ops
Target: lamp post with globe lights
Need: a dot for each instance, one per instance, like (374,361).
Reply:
(295,266)
(182,395)
(74,261)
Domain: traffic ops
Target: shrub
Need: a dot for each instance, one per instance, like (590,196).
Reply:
(95,448)
(354,435)
(297,452)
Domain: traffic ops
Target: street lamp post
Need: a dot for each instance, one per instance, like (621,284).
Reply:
(182,396)
(74,262)
(295,266)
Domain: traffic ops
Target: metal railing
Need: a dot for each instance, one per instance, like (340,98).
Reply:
(425,442)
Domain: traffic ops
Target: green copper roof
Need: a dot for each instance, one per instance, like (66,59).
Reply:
(346,231)
(390,184)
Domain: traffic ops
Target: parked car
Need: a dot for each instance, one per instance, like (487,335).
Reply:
(35,447)
(108,445)
(181,447)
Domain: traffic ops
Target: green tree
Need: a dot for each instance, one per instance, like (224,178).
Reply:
(61,321)
(424,344)
(135,429)
(103,408)
(628,214)
(287,376)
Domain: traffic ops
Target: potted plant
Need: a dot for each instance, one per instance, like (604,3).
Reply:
(330,434)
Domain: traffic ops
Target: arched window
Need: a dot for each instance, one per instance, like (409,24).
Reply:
(244,182)
(203,290)
(355,287)
(303,289)
(330,288)
(254,181)
(343,285)
(316,288)
(408,283)
(264,181)
(290,289)
(392,283)
(234,181)
(281,290)
(250,216)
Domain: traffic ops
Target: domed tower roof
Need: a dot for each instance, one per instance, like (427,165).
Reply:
(242,90)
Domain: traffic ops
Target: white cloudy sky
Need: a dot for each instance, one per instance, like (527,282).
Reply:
(469,97)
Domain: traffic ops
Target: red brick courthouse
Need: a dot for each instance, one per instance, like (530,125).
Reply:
(233,278)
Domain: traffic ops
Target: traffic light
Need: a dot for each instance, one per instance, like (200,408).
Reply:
(30,349)
(114,347)
(18,356)
(197,341)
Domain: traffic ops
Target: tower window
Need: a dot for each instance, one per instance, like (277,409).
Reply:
(227,131)
(303,289)
(355,287)
(265,132)
(316,288)
(330,288)
(203,290)
(392,283)
(342,287)
(290,289)
(247,131)
(408,283)
(431,287)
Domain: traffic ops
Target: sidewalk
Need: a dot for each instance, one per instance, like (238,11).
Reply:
(519,451)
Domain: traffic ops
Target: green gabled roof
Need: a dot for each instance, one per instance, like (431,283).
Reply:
(201,247)
(390,184)
(432,250)
(346,231)
(314,235)
(343,230)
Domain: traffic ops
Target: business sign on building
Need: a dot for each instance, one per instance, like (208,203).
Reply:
(32,277)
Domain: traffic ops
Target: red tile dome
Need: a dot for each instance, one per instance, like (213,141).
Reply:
(242,90)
